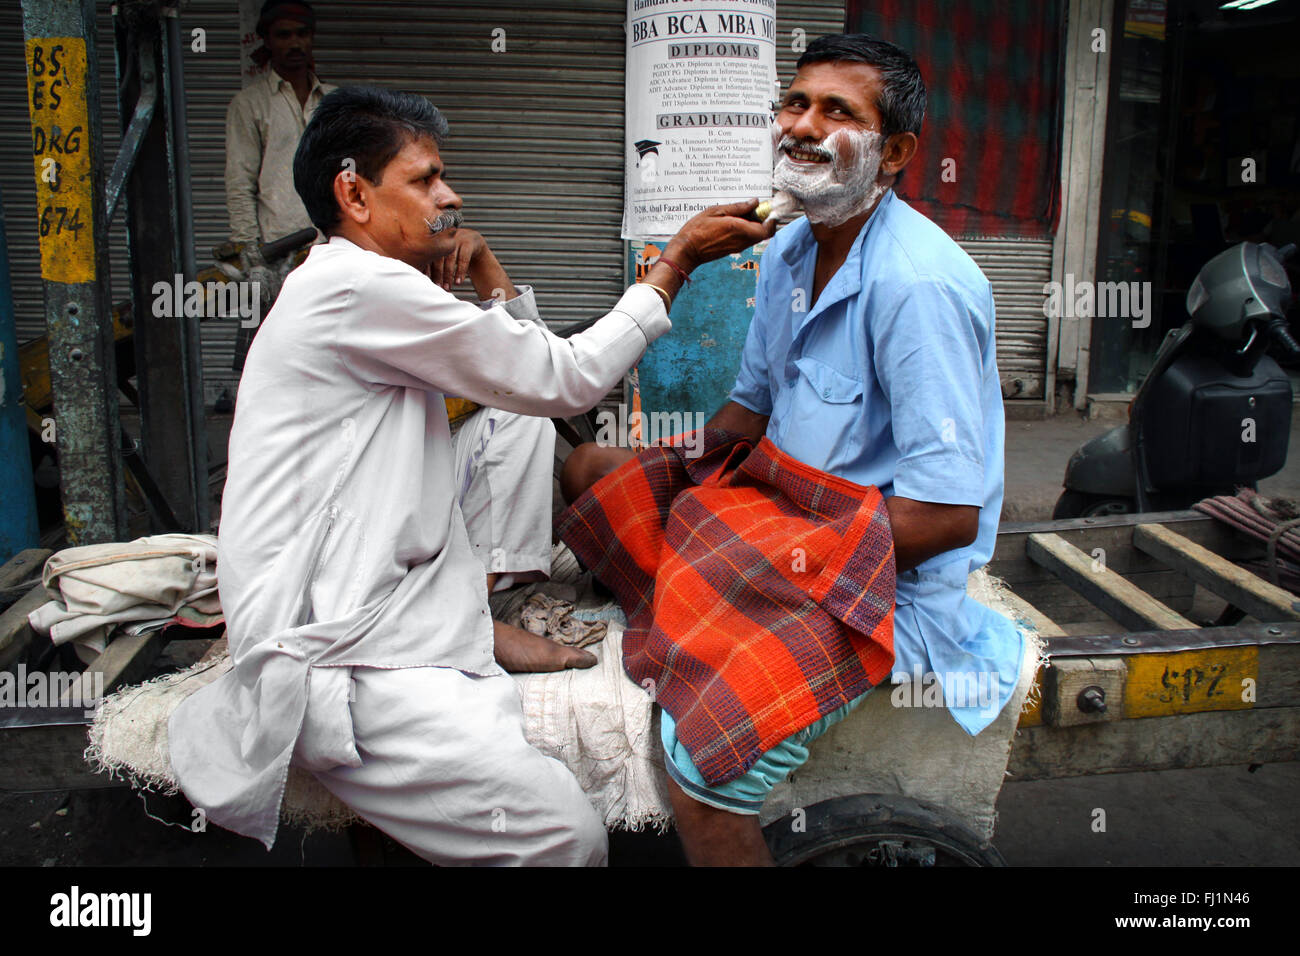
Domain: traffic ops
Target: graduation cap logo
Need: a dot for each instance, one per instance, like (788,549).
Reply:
(645,147)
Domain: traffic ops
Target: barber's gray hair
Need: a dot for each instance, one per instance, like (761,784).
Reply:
(364,125)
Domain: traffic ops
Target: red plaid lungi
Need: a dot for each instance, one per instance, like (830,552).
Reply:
(759,591)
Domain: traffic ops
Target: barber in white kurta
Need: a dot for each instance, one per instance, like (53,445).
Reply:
(342,542)
(356,609)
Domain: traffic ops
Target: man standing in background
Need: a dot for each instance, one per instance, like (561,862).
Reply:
(263,125)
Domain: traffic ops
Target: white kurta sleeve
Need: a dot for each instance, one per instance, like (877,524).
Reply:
(522,306)
(399,328)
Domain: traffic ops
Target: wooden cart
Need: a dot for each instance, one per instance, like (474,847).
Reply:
(1134,681)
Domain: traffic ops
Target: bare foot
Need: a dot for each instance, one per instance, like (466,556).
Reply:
(521,652)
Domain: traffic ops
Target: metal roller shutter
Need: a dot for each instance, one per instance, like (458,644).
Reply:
(19,190)
(211,80)
(1017,269)
(536,130)
(813,18)
(535,152)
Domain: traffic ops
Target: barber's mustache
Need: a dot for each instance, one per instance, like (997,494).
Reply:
(451,219)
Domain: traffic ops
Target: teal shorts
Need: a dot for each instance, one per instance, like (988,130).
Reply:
(746,793)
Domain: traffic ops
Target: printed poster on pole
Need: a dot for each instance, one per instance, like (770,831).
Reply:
(701,85)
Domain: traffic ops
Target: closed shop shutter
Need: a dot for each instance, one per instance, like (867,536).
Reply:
(814,19)
(536,131)
(1017,269)
(535,150)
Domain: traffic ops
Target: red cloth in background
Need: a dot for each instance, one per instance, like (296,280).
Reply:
(994,76)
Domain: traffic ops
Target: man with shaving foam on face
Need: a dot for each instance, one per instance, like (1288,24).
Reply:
(870,359)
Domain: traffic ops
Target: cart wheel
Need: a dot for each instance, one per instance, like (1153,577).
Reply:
(877,830)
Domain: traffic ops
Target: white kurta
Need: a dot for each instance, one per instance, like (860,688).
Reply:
(342,543)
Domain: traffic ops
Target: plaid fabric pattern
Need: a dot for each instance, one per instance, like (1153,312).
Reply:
(994,79)
(759,591)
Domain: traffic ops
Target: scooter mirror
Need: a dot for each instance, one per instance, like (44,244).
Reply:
(1243,284)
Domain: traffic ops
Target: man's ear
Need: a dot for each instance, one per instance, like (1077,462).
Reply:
(898,152)
(351,192)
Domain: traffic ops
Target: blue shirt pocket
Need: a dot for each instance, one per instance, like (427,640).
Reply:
(825,383)
(824,424)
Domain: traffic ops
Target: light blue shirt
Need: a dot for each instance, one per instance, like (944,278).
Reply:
(890,379)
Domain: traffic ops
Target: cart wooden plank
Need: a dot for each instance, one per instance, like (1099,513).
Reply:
(15,633)
(1125,602)
(1064,605)
(1043,624)
(1114,535)
(22,566)
(1157,674)
(125,660)
(1242,588)
(1192,681)
(1070,681)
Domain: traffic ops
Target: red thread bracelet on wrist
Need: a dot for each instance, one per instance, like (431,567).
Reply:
(676,268)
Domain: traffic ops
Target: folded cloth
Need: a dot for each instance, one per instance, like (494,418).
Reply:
(96,587)
(759,591)
(553,618)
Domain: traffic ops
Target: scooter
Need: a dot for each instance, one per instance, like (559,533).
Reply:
(1214,412)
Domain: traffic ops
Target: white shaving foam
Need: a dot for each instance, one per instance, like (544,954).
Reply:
(832,193)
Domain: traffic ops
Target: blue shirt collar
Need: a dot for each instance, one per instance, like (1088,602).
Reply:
(803,238)
(848,280)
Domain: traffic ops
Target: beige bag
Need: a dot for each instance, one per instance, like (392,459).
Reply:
(96,587)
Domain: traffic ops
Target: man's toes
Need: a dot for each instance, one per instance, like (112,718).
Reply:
(580,659)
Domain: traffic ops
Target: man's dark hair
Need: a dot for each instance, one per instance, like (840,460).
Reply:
(902,91)
(274,10)
(366,124)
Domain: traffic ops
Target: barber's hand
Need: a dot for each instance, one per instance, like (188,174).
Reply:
(455,250)
(716,232)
